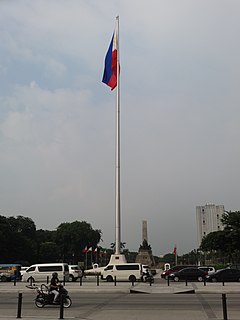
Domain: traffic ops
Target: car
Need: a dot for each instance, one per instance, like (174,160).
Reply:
(10,272)
(234,266)
(209,270)
(75,272)
(188,274)
(166,273)
(22,270)
(224,275)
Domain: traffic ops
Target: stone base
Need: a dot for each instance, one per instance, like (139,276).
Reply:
(117,259)
(145,257)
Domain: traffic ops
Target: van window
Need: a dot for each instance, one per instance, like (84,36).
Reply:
(127,267)
(31,269)
(49,268)
(109,268)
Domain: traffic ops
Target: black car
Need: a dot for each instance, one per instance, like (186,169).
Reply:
(188,274)
(174,269)
(224,275)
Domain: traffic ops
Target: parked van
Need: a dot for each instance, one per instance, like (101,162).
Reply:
(42,271)
(123,272)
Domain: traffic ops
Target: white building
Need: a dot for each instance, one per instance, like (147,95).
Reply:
(208,220)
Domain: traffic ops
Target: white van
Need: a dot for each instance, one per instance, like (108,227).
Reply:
(44,271)
(123,272)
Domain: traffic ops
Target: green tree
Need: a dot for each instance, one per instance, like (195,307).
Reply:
(17,238)
(225,242)
(73,237)
(48,252)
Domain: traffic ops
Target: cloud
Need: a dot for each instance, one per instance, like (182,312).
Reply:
(179,114)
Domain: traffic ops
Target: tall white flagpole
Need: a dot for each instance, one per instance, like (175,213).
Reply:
(117,173)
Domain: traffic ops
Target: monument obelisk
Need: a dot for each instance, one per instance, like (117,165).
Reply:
(145,255)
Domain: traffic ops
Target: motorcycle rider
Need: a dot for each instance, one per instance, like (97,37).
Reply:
(54,286)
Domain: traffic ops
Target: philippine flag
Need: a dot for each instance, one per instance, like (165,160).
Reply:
(110,70)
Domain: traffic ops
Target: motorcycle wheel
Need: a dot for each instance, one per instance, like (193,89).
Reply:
(67,302)
(39,304)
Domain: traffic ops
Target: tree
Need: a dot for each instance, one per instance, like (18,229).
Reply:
(48,252)
(113,245)
(169,258)
(227,241)
(73,237)
(17,238)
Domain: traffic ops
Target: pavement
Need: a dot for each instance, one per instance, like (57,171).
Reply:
(159,286)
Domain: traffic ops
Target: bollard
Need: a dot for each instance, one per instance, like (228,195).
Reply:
(150,282)
(47,279)
(15,282)
(186,282)
(115,281)
(132,283)
(19,310)
(97,279)
(223,283)
(168,281)
(64,280)
(61,307)
(204,282)
(31,280)
(224,304)
(80,281)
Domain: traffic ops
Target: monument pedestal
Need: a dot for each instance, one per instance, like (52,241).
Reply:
(145,257)
(117,259)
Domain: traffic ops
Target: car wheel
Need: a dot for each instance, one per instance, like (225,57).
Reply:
(176,279)
(109,279)
(132,278)
(3,278)
(200,278)
(71,278)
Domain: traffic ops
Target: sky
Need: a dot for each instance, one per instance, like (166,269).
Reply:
(179,111)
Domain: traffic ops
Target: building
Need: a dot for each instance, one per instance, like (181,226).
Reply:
(208,220)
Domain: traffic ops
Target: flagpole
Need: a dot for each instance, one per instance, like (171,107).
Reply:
(117,173)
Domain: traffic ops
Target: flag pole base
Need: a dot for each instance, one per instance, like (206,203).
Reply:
(117,259)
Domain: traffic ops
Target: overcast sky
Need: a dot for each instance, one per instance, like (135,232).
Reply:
(180,115)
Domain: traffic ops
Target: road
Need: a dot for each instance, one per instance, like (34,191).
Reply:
(116,306)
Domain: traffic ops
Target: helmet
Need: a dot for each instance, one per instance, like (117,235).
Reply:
(55,275)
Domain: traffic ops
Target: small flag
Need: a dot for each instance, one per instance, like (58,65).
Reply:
(85,250)
(95,251)
(90,249)
(175,250)
(110,70)
(105,253)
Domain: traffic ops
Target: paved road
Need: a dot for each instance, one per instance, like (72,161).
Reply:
(121,305)
(110,302)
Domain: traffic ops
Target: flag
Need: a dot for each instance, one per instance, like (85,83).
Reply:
(175,250)
(90,249)
(110,70)
(85,250)
(95,251)
(105,253)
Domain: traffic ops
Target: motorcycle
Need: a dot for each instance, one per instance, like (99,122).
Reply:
(148,277)
(45,297)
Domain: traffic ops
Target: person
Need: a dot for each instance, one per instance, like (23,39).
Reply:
(54,286)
